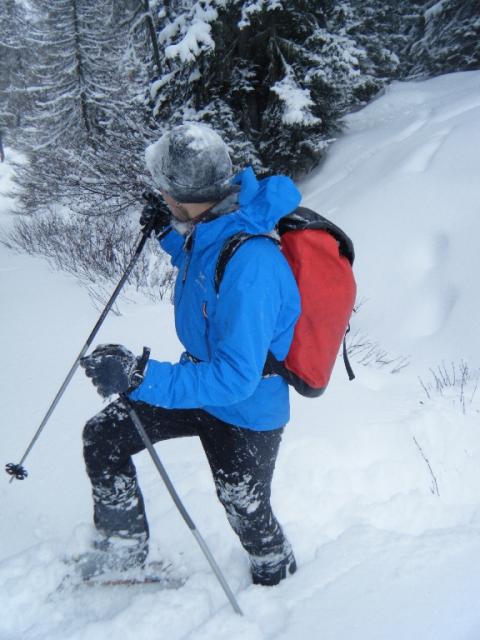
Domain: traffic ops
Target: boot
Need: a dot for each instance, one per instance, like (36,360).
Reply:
(269,570)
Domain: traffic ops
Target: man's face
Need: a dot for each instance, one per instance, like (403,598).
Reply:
(179,212)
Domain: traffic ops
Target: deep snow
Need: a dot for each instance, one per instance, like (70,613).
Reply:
(377,485)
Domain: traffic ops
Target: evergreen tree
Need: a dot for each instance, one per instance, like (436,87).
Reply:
(378,26)
(274,76)
(116,168)
(86,135)
(85,142)
(446,39)
(14,101)
(70,84)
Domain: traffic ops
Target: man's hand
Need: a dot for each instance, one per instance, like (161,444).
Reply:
(155,213)
(113,369)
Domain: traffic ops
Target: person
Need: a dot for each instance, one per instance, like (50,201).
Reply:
(217,390)
(2,152)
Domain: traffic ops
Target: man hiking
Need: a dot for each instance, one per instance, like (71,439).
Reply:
(217,391)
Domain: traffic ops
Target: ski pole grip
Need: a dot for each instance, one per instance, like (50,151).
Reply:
(136,378)
(147,230)
(142,363)
(161,209)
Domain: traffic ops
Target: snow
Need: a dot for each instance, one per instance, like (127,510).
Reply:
(296,101)
(252,7)
(195,37)
(435,10)
(377,483)
(403,182)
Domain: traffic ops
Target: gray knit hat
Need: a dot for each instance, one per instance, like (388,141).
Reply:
(191,163)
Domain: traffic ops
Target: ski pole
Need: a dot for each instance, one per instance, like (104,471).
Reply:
(178,503)
(18,471)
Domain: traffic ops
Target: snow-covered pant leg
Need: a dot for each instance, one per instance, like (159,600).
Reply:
(242,463)
(110,439)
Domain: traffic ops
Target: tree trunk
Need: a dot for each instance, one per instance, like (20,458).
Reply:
(80,74)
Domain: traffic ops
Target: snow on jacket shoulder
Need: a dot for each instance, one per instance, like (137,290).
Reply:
(256,310)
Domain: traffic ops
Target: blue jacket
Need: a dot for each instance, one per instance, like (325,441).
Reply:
(256,310)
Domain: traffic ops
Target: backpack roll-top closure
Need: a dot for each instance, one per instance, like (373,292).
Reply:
(303,218)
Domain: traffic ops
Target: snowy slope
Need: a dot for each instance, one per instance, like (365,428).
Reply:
(405,183)
(377,485)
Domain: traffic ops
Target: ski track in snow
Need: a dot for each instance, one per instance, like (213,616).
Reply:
(377,485)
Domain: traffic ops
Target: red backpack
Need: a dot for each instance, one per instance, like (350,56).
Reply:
(321,256)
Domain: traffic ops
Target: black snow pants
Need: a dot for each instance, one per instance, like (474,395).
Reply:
(242,463)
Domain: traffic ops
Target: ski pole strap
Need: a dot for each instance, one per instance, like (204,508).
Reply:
(348,366)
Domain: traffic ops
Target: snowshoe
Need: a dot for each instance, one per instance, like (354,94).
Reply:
(100,569)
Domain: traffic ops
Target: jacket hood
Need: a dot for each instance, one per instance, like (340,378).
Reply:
(263,202)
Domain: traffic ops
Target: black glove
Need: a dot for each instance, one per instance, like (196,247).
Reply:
(155,213)
(114,369)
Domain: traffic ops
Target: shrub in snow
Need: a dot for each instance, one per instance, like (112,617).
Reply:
(457,383)
(370,353)
(96,250)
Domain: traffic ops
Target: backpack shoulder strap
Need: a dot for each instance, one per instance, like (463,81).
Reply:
(229,249)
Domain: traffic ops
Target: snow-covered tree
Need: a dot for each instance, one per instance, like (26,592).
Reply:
(14,99)
(74,73)
(379,27)
(85,140)
(447,38)
(274,75)
(85,86)
(86,135)
(69,84)
(114,177)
